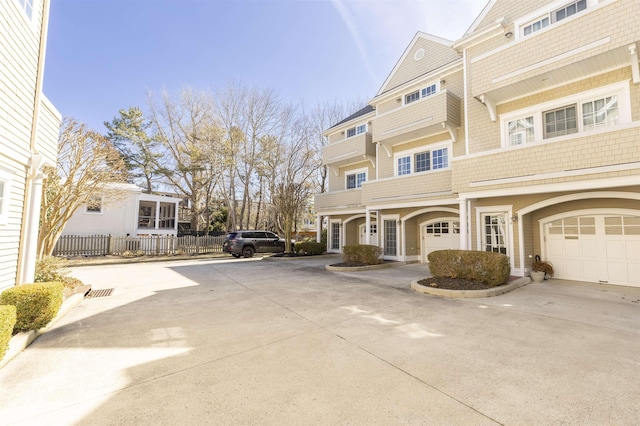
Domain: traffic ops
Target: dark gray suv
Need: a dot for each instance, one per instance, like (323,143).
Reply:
(246,243)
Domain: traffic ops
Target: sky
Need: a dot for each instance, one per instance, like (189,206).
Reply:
(107,55)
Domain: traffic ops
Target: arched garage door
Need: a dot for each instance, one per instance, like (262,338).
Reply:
(595,248)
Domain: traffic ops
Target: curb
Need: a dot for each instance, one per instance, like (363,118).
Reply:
(363,268)
(490,292)
(284,258)
(72,263)
(20,341)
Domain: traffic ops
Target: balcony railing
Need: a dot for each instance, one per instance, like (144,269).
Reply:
(338,200)
(436,114)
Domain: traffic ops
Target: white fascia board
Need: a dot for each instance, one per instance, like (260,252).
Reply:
(344,126)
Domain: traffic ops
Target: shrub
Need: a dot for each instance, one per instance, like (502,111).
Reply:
(54,269)
(7,322)
(309,247)
(324,237)
(488,267)
(36,304)
(362,253)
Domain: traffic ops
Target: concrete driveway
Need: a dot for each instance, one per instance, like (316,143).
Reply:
(249,341)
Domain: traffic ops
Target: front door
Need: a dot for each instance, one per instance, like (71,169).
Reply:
(362,239)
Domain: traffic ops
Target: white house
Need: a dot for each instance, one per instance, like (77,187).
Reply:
(29,126)
(138,214)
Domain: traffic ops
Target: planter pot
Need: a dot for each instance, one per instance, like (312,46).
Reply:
(537,276)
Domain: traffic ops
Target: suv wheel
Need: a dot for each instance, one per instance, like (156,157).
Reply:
(248,251)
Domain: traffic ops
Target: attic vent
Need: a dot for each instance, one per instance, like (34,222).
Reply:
(102,292)
(419,54)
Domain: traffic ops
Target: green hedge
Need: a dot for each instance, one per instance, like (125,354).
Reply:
(7,322)
(36,304)
(488,267)
(362,253)
(310,247)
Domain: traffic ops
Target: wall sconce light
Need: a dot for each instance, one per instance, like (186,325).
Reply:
(342,132)
(508,34)
(514,218)
(443,81)
(398,99)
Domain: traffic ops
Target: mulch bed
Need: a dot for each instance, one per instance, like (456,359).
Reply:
(349,264)
(457,283)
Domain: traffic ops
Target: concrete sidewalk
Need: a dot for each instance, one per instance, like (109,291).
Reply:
(246,341)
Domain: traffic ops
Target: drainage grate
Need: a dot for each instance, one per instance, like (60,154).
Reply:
(101,292)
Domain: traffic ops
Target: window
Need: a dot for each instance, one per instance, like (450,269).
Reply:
(354,180)
(600,113)
(94,205)
(428,91)
(412,97)
(27,6)
(423,161)
(335,236)
(521,131)
(390,238)
(404,165)
(569,10)
(561,121)
(356,130)
(534,23)
(600,109)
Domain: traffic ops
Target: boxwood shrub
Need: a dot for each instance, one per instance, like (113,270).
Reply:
(310,247)
(36,304)
(362,253)
(7,322)
(484,266)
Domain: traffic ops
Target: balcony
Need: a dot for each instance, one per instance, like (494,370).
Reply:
(419,187)
(343,200)
(581,46)
(436,114)
(346,151)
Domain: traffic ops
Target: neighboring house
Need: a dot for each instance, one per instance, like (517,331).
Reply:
(136,215)
(29,127)
(522,138)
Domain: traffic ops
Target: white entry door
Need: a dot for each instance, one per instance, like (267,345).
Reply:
(443,235)
(362,239)
(598,248)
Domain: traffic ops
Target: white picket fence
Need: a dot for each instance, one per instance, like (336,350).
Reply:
(100,245)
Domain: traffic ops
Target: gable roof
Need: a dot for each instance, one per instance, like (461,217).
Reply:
(437,51)
(480,18)
(359,113)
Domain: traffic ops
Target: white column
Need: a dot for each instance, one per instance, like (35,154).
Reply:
(30,253)
(367,225)
(157,218)
(464,227)
(318,228)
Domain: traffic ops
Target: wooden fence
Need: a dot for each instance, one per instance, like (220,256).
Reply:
(101,245)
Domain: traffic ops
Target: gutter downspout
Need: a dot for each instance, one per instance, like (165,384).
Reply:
(27,252)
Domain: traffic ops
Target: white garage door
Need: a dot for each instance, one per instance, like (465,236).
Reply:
(599,248)
(440,236)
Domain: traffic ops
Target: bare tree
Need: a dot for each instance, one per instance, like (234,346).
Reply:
(190,135)
(88,172)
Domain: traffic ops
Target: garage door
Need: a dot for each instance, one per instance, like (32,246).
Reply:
(440,236)
(599,248)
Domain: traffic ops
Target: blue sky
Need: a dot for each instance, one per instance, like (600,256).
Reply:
(105,55)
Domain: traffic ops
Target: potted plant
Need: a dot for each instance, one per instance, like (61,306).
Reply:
(540,269)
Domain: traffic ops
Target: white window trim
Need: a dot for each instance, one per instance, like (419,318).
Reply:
(381,235)
(6,179)
(507,211)
(419,90)
(355,127)
(522,22)
(330,235)
(87,211)
(621,90)
(411,153)
(355,172)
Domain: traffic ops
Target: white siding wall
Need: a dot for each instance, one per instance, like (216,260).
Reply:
(117,220)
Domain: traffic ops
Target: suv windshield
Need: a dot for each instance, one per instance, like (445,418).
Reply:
(231,235)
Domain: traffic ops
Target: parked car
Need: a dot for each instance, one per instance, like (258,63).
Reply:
(246,243)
